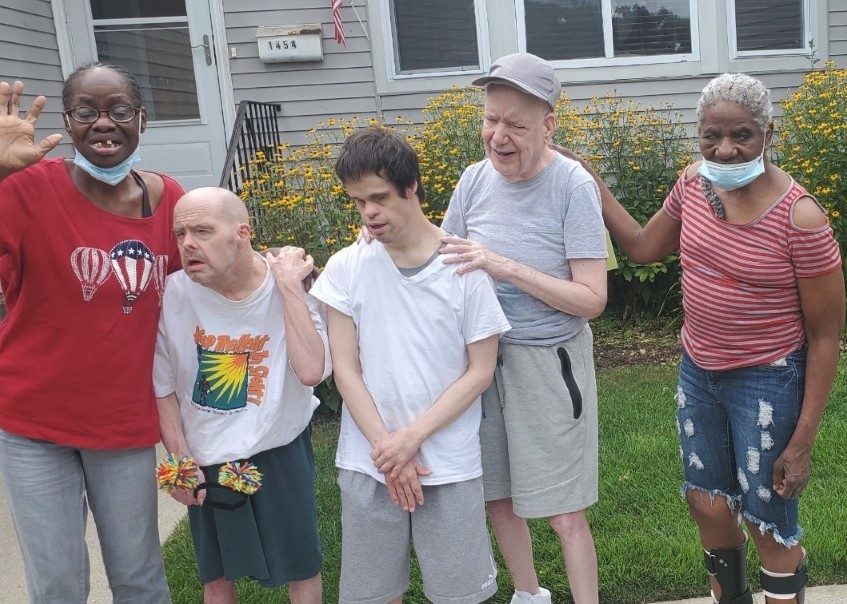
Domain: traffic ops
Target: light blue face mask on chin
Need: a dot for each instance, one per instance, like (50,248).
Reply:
(111,176)
(733,176)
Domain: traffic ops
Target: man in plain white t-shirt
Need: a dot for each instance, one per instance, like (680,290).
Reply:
(414,345)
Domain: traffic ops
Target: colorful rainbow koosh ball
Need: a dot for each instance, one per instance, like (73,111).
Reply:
(243,477)
(176,473)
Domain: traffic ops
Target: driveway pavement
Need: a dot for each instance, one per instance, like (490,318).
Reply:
(12,579)
(13,582)
(824,594)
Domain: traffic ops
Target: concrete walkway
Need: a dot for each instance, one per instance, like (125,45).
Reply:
(13,582)
(12,579)
(825,594)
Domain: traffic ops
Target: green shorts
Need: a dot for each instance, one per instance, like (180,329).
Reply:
(273,538)
(539,428)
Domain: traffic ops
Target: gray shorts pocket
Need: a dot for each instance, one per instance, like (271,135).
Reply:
(570,382)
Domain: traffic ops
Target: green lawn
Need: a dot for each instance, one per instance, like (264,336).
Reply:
(646,544)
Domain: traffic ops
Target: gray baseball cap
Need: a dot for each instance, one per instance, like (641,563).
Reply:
(526,72)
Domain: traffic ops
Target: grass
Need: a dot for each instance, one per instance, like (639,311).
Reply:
(646,543)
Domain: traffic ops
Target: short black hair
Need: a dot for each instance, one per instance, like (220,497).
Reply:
(381,151)
(83,69)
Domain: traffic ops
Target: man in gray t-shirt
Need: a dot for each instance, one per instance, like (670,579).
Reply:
(532,219)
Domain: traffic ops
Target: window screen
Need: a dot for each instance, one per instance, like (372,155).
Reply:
(159,57)
(435,35)
(564,29)
(153,44)
(573,29)
(769,24)
(651,27)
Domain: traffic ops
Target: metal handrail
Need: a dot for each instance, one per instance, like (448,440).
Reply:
(256,129)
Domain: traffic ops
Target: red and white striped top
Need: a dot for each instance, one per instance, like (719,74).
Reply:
(739,283)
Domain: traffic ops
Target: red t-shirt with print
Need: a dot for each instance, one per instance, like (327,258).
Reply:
(83,290)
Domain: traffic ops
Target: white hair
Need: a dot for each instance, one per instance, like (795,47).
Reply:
(741,89)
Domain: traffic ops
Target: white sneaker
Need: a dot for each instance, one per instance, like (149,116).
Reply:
(542,597)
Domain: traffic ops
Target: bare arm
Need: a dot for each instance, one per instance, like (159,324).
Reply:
(18,149)
(393,452)
(649,244)
(822,303)
(344,347)
(306,349)
(170,427)
(584,295)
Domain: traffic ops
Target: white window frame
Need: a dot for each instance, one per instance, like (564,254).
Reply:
(809,21)
(391,62)
(609,60)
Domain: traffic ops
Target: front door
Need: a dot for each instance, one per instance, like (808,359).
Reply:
(168,46)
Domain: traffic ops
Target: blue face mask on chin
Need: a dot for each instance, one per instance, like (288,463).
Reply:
(111,176)
(733,176)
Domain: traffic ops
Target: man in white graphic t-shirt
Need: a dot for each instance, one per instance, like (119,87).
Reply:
(240,346)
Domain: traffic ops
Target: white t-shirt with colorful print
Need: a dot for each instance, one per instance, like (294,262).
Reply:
(227,362)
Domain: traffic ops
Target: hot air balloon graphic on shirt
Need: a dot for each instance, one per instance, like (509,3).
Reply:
(92,268)
(132,263)
(160,272)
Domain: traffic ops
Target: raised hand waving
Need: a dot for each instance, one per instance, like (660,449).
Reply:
(18,148)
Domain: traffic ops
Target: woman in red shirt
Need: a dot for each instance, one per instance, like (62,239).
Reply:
(85,245)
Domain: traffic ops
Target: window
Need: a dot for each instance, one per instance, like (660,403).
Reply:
(565,30)
(769,26)
(149,38)
(434,36)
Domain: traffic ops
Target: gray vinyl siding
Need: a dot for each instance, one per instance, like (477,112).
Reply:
(30,54)
(838,31)
(342,85)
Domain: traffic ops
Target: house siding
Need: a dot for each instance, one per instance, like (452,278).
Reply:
(31,54)
(342,85)
(838,31)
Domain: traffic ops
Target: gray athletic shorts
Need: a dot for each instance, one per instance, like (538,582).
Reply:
(539,428)
(448,531)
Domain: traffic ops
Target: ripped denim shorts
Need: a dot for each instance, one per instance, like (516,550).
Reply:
(733,425)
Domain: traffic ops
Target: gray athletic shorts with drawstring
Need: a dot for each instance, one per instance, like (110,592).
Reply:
(539,428)
(448,532)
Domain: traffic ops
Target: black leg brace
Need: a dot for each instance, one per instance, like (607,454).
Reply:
(795,584)
(729,567)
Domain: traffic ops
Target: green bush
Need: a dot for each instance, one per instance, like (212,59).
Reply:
(639,152)
(448,142)
(813,141)
(296,198)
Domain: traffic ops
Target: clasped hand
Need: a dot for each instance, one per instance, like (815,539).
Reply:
(393,456)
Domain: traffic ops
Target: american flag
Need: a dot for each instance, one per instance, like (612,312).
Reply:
(336,19)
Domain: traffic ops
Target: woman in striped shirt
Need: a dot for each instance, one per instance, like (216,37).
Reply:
(763,297)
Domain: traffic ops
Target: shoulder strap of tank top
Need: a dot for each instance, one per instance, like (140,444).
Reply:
(146,211)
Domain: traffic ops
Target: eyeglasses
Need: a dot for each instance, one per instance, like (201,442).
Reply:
(119,114)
